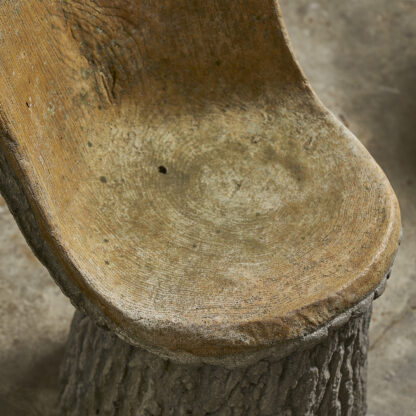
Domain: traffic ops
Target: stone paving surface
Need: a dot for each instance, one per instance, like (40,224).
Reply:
(360,57)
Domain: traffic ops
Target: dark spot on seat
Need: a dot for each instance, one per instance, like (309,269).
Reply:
(107,262)
(103,179)
(27,105)
(89,144)
(162,169)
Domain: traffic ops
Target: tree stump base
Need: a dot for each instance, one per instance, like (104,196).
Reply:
(105,376)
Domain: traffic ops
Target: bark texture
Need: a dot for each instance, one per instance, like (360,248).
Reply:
(105,376)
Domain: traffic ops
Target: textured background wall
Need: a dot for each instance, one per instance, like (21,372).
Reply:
(361,59)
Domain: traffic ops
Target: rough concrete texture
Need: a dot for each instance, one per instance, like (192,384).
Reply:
(361,60)
(326,379)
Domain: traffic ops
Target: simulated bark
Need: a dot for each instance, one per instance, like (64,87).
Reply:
(105,376)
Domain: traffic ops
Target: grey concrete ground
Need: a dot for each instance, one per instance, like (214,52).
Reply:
(360,56)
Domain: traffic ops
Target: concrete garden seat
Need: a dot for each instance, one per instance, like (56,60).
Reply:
(170,165)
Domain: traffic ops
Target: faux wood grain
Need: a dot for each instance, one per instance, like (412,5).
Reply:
(195,193)
(105,376)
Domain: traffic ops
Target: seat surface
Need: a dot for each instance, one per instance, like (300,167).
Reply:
(194,191)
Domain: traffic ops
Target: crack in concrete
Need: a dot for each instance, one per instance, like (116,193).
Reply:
(392,324)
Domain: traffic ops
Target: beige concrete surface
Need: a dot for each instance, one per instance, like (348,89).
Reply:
(361,59)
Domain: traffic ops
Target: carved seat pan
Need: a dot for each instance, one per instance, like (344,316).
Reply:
(195,192)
